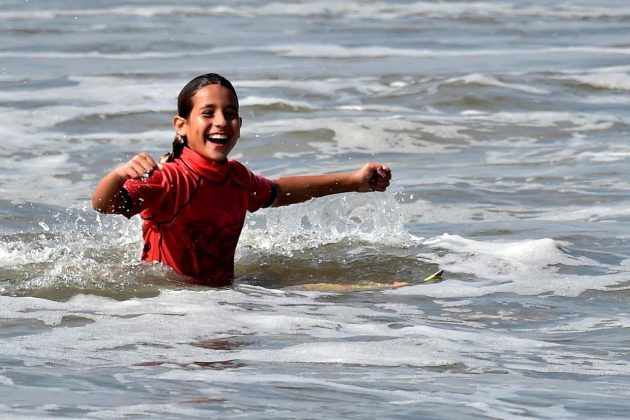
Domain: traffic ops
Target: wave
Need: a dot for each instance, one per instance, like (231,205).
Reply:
(602,80)
(333,51)
(274,104)
(485,80)
(316,51)
(347,10)
(527,267)
(145,55)
(576,121)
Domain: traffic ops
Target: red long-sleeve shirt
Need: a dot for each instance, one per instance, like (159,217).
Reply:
(193,211)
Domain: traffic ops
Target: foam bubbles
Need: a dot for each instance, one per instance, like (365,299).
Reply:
(530,267)
(371,218)
(493,81)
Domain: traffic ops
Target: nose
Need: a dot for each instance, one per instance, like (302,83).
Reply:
(219,119)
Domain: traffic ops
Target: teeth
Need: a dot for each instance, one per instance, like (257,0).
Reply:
(220,137)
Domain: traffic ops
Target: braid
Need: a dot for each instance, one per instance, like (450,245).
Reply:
(178,146)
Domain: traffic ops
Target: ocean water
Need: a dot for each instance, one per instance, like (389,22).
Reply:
(505,124)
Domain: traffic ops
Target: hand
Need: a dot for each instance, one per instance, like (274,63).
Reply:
(374,177)
(139,167)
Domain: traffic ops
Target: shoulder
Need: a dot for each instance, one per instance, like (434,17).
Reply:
(247,179)
(236,166)
(240,172)
(175,171)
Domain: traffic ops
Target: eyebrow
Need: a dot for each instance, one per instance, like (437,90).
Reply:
(213,106)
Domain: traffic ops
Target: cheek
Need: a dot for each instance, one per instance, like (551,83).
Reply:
(195,127)
(236,127)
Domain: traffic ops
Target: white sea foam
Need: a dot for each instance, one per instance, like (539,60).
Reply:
(293,381)
(342,52)
(389,109)
(153,321)
(482,79)
(6,381)
(301,51)
(607,99)
(266,101)
(594,213)
(327,86)
(404,351)
(373,218)
(36,173)
(575,121)
(602,80)
(390,135)
(96,91)
(374,135)
(131,97)
(149,321)
(526,268)
(539,253)
(16,253)
(124,56)
(170,330)
(170,409)
(333,86)
(588,324)
(614,155)
(426,211)
(313,50)
(347,10)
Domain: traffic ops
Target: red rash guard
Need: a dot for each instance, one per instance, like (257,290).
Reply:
(193,211)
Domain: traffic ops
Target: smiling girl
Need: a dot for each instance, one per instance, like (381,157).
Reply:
(194,201)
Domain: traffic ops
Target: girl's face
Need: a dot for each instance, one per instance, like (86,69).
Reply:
(214,125)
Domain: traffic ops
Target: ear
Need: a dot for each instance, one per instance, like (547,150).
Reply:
(180,125)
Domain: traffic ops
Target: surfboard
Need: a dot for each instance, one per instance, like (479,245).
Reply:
(335,287)
(435,277)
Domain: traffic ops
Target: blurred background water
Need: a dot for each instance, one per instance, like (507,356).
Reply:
(505,124)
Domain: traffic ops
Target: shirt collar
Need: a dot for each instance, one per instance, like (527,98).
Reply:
(211,170)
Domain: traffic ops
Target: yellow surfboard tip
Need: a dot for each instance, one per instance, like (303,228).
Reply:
(435,277)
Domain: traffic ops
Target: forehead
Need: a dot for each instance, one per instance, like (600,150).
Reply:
(216,95)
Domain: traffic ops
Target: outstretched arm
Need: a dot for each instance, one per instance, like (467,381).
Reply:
(107,196)
(296,189)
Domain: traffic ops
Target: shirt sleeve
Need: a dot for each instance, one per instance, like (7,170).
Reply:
(262,191)
(147,194)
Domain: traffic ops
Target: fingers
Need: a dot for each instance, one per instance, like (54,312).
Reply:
(380,176)
(140,166)
(384,172)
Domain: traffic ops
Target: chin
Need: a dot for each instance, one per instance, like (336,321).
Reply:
(216,157)
(214,154)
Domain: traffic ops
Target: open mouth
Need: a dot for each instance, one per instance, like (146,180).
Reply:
(217,138)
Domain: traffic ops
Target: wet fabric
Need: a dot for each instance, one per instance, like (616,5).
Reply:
(193,211)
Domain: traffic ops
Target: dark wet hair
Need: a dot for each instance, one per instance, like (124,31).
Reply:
(185,105)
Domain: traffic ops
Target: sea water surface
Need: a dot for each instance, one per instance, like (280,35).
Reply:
(506,127)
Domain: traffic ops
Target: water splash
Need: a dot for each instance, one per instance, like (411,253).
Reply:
(372,219)
(72,251)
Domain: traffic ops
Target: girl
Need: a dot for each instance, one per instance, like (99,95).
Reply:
(194,201)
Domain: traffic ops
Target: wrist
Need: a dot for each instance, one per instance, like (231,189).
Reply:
(359,181)
(120,174)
